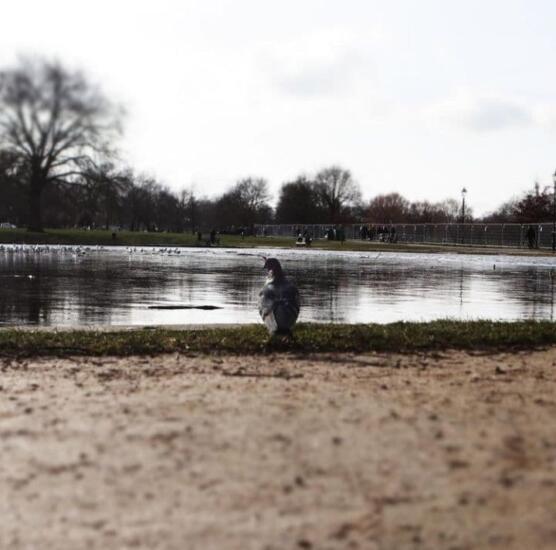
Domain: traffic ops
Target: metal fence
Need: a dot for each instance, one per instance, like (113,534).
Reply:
(477,234)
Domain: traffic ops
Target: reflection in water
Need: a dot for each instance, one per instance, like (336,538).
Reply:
(112,286)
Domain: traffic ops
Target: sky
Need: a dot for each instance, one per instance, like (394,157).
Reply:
(421,97)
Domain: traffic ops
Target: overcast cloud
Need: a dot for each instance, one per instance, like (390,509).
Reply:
(320,64)
(422,98)
(484,114)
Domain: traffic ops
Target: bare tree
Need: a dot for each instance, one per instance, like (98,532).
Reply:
(106,188)
(56,121)
(298,203)
(253,192)
(336,189)
(452,208)
(11,197)
(389,208)
(246,203)
(188,205)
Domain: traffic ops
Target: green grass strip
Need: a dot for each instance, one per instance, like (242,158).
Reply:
(253,339)
(99,237)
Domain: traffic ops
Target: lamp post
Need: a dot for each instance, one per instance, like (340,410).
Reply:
(554,214)
(463,193)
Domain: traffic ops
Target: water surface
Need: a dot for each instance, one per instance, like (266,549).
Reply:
(117,286)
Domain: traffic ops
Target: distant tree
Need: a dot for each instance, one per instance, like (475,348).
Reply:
(104,191)
(62,206)
(423,212)
(299,203)
(505,213)
(447,211)
(336,191)
(207,214)
(389,208)
(189,205)
(140,204)
(534,206)
(12,189)
(253,193)
(56,121)
(394,208)
(452,209)
(245,204)
(169,216)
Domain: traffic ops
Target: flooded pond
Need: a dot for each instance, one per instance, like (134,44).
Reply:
(151,286)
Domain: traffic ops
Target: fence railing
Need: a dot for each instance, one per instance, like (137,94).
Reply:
(477,234)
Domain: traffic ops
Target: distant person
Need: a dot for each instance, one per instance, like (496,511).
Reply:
(199,236)
(531,236)
(393,235)
(341,234)
(213,236)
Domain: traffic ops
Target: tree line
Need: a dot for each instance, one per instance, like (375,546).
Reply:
(535,205)
(59,168)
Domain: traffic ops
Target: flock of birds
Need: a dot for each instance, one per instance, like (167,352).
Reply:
(80,250)
(29,249)
(278,300)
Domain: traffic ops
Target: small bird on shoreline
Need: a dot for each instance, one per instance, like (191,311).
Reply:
(278,300)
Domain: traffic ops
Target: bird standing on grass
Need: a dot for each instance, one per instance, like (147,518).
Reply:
(278,300)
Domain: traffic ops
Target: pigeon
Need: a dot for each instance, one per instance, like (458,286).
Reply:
(278,300)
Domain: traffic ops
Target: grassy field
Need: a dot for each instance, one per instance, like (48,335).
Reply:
(253,339)
(139,238)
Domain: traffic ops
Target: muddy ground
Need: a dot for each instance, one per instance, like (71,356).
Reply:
(440,450)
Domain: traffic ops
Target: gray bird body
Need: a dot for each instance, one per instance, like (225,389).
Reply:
(279,303)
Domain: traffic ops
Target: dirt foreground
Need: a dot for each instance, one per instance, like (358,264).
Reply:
(381,451)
